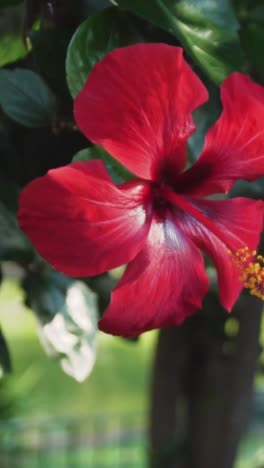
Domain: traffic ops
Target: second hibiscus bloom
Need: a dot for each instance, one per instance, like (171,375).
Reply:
(137,104)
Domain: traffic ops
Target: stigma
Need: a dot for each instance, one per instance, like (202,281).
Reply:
(251,267)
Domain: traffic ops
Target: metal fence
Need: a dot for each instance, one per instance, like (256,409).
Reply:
(100,441)
(96,441)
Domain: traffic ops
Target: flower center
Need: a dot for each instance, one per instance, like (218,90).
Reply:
(249,264)
(251,267)
(159,202)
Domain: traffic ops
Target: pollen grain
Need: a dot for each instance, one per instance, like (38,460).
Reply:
(251,267)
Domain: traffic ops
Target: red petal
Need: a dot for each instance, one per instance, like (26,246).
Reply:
(234,145)
(81,222)
(137,104)
(240,221)
(164,284)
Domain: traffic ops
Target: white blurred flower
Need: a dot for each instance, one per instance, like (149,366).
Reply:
(71,334)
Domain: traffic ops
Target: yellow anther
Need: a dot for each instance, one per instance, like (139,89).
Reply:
(251,267)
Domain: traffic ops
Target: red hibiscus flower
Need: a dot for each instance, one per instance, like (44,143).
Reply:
(137,105)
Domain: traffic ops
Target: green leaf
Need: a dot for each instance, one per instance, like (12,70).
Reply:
(207,30)
(12,48)
(14,245)
(5,360)
(90,7)
(118,172)
(204,117)
(94,38)
(249,189)
(12,43)
(25,98)
(67,320)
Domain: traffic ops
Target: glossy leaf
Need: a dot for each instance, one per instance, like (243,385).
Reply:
(67,320)
(207,30)
(204,117)
(118,172)
(249,189)
(94,38)
(25,98)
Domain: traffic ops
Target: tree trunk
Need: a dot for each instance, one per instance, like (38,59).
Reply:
(202,387)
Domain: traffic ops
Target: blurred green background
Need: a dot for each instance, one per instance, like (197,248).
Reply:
(118,383)
(111,405)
